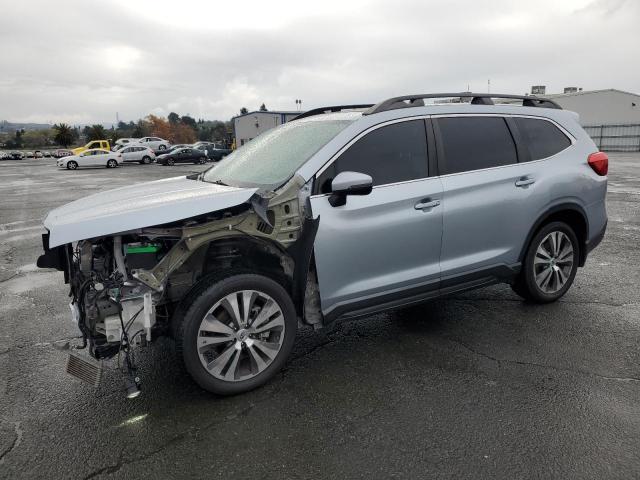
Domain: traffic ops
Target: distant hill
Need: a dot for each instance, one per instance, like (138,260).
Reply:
(6,126)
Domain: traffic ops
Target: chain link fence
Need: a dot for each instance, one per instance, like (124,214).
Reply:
(615,138)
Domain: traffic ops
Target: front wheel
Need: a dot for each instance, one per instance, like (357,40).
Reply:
(146,160)
(162,147)
(112,164)
(170,161)
(550,264)
(71,165)
(202,160)
(237,333)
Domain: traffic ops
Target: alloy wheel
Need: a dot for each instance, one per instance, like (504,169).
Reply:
(241,335)
(553,262)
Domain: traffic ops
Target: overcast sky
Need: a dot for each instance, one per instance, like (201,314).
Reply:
(83,61)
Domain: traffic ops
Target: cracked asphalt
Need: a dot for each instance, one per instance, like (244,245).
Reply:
(481,385)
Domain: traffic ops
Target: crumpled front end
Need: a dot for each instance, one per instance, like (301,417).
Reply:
(126,287)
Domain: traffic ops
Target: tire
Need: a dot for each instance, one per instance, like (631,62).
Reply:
(71,165)
(201,161)
(111,163)
(146,160)
(238,360)
(550,264)
(162,147)
(170,161)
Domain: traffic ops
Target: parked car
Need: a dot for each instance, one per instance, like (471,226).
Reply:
(214,151)
(122,142)
(138,154)
(28,154)
(5,156)
(182,155)
(154,143)
(61,152)
(95,157)
(38,154)
(16,155)
(175,147)
(331,216)
(101,144)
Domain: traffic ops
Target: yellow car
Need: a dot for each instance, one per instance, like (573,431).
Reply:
(103,144)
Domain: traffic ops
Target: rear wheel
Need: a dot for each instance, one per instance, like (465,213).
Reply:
(550,264)
(71,165)
(112,163)
(237,333)
(202,160)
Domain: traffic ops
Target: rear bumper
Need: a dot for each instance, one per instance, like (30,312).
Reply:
(593,243)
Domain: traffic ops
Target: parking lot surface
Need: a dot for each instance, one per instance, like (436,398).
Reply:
(480,385)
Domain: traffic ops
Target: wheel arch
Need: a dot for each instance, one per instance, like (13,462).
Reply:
(570,213)
(224,257)
(236,254)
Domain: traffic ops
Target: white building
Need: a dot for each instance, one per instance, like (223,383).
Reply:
(252,124)
(601,107)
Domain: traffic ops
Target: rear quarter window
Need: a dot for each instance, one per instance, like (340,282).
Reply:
(541,137)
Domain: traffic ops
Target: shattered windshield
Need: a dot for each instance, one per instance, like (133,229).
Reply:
(272,158)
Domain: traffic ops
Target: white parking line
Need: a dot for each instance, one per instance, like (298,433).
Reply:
(26,236)
(23,229)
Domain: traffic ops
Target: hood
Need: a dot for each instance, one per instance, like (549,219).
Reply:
(138,206)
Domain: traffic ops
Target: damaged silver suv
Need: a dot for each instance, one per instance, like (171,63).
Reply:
(344,211)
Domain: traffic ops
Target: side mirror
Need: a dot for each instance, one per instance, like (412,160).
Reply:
(349,183)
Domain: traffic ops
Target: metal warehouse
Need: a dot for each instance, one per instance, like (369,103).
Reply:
(252,124)
(611,117)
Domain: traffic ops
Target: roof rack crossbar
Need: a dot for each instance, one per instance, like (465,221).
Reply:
(409,101)
(331,109)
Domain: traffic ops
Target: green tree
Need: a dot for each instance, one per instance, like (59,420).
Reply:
(244,111)
(173,118)
(17,141)
(63,134)
(189,121)
(95,132)
(263,108)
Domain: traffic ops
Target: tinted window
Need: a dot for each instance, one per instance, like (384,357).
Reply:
(472,143)
(542,137)
(390,154)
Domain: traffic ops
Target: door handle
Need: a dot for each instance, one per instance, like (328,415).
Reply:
(426,204)
(523,182)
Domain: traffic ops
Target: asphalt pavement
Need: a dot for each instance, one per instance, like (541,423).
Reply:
(480,385)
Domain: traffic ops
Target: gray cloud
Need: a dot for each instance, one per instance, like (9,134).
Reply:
(84,61)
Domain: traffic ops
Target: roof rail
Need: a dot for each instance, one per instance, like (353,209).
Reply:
(409,101)
(335,108)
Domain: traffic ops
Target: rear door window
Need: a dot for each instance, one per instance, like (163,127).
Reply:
(390,154)
(542,138)
(473,143)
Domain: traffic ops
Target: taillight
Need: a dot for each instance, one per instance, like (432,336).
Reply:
(599,162)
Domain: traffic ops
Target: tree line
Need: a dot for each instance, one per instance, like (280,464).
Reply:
(174,128)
